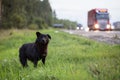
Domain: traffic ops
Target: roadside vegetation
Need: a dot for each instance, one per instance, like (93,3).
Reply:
(70,57)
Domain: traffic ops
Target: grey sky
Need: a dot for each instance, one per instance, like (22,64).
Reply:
(76,10)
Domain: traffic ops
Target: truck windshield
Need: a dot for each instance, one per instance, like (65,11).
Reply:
(102,16)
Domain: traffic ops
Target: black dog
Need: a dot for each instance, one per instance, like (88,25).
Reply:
(34,51)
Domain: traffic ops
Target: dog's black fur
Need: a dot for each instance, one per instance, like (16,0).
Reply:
(34,51)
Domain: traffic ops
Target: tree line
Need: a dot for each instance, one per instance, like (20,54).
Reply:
(32,14)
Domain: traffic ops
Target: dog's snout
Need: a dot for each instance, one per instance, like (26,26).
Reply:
(43,40)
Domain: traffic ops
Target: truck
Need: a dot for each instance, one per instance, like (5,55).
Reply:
(98,19)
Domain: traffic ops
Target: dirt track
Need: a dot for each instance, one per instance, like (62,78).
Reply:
(110,37)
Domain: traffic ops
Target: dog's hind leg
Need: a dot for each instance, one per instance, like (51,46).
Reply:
(24,62)
(22,57)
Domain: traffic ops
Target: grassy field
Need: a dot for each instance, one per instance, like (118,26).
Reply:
(70,57)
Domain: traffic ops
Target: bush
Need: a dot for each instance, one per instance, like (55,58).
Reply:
(33,26)
(39,22)
(43,26)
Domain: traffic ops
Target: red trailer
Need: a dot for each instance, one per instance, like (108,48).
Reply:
(98,19)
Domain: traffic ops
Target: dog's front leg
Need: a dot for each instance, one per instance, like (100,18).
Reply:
(43,60)
(35,63)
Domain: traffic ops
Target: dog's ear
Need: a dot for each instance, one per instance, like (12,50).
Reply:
(38,34)
(49,36)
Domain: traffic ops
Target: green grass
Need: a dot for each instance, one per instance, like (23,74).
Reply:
(70,57)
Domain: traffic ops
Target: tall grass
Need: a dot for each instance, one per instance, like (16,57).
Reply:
(70,57)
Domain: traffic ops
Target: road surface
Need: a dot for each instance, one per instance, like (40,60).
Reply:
(110,37)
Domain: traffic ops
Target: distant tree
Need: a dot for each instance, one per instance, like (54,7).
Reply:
(46,12)
(54,16)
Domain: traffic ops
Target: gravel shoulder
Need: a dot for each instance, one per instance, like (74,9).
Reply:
(110,37)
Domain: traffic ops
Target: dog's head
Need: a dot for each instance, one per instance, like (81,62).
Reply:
(42,39)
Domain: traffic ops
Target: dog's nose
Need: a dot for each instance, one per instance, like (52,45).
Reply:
(43,41)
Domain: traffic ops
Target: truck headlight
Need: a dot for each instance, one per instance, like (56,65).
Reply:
(108,26)
(96,26)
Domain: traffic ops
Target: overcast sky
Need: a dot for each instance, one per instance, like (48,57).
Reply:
(76,10)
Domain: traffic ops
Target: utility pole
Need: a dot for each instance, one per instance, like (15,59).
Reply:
(0,13)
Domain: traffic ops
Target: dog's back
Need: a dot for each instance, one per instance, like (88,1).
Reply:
(28,51)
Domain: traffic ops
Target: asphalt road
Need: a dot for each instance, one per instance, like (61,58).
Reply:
(110,37)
